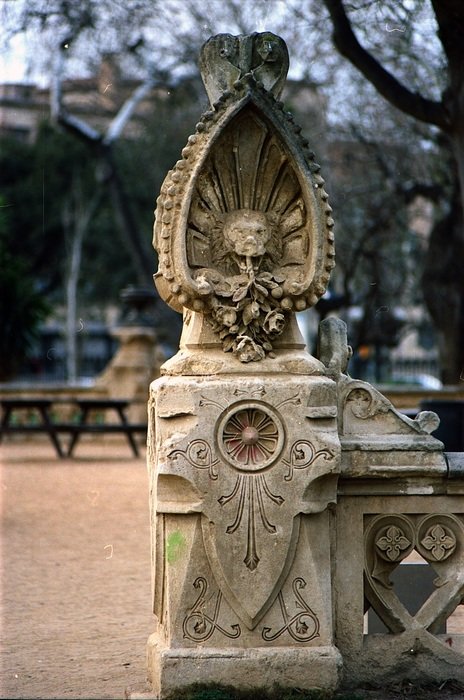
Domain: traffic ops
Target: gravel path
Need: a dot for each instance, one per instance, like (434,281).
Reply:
(75,571)
(75,575)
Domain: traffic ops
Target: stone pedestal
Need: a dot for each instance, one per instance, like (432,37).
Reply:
(257,667)
(243,472)
(258,577)
(136,362)
(244,453)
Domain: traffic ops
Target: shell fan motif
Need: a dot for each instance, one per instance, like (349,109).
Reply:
(243,228)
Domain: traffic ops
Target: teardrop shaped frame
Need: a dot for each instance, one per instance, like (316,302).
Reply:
(305,284)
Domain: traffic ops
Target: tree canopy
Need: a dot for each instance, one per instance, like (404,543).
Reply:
(390,132)
(401,79)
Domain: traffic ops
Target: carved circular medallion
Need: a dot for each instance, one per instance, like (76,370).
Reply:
(437,537)
(250,436)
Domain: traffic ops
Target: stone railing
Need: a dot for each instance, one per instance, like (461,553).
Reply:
(399,573)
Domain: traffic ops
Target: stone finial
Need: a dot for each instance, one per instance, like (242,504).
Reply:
(334,351)
(243,227)
(224,59)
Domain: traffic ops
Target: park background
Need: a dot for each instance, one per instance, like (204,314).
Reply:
(105,99)
(106,96)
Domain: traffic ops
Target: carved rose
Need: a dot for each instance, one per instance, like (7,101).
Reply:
(248,351)
(226,315)
(274,323)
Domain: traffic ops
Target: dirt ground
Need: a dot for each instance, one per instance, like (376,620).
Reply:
(75,575)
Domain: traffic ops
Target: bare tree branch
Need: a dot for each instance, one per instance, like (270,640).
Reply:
(78,127)
(386,84)
(125,113)
(104,143)
(408,191)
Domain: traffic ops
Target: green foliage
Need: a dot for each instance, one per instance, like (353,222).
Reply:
(22,307)
(37,183)
(34,182)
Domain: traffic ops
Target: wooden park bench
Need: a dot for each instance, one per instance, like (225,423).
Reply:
(45,423)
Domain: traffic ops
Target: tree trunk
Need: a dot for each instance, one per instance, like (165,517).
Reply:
(76,218)
(71,304)
(443,289)
(142,263)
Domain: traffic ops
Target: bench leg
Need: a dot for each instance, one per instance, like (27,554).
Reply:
(5,422)
(51,432)
(128,432)
(76,434)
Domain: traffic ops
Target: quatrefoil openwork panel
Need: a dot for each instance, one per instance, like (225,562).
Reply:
(439,540)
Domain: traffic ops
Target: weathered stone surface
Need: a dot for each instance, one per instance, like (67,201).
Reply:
(251,456)
(283,492)
(380,532)
(245,668)
(243,227)
(224,59)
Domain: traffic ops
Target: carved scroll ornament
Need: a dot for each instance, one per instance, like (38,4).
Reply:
(243,228)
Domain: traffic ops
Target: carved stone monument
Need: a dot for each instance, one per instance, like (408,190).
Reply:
(138,359)
(248,433)
(244,450)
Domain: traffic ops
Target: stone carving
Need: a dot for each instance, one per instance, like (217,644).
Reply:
(302,626)
(243,228)
(389,539)
(334,350)
(199,455)
(250,436)
(259,392)
(253,471)
(392,543)
(198,626)
(365,411)
(437,537)
(440,542)
(246,451)
(302,455)
(224,59)
(251,491)
(363,404)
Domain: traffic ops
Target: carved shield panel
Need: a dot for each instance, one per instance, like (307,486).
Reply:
(260,461)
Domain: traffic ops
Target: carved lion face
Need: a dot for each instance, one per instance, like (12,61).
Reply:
(247,232)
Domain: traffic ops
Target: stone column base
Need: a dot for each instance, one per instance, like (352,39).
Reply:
(306,667)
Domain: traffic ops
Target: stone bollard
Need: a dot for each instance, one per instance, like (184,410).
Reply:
(244,453)
(287,499)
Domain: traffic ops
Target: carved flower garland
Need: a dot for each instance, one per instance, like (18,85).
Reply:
(250,316)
